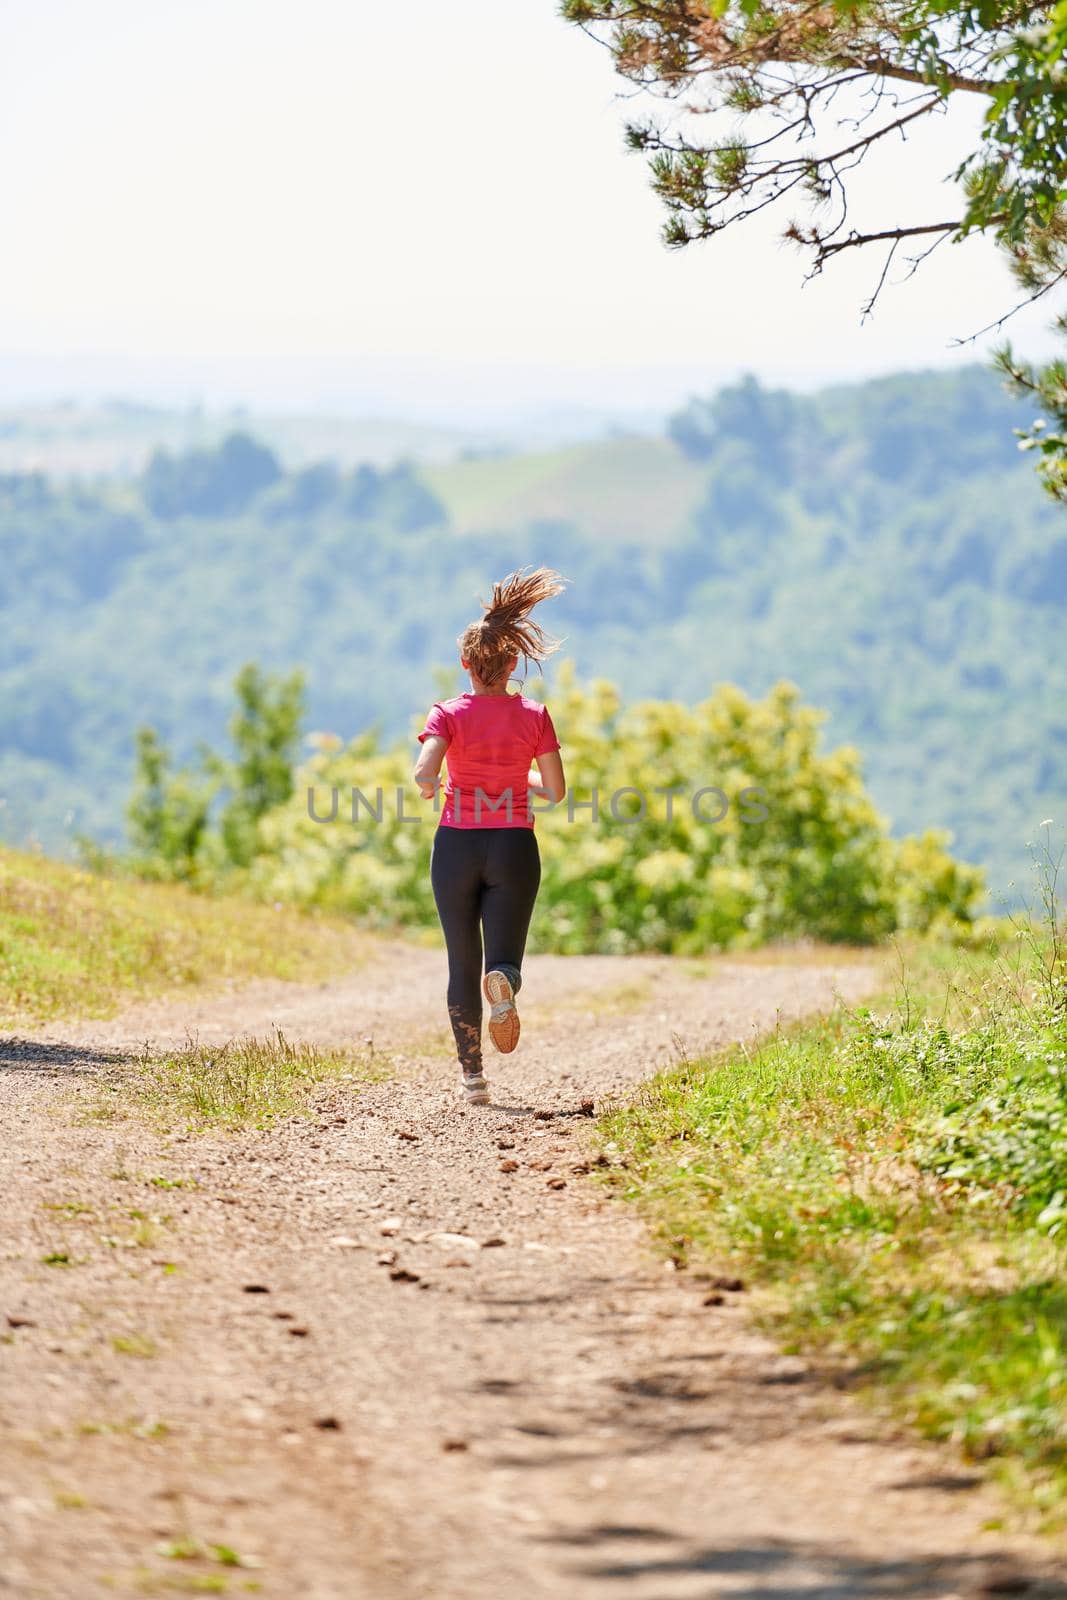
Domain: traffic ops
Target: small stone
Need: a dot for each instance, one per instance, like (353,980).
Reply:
(390,1226)
(557,1183)
(494,1243)
(454,1444)
(509,1166)
(402,1275)
(15,1321)
(387,1258)
(344,1241)
(505,1144)
(714,1299)
(586,1108)
(256,1288)
(298,1331)
(405,1133)
(731,1285)
(328,1424)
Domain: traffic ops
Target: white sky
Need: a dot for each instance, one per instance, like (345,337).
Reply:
(413,208)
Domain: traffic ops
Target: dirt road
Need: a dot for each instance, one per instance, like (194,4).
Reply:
(405,1349)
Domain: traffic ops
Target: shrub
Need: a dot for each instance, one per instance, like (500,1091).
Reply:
(818,863)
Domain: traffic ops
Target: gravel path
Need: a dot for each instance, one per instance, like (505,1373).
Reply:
(406,1349)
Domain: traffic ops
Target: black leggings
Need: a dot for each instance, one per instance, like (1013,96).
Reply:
(483,878)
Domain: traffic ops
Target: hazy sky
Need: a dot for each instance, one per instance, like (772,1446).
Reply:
(416,208)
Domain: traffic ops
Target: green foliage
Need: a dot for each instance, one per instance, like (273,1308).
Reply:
(841,78)
(395,497)
(895,1180)
(1039,264)
(1002,1133)
(170,814)
(265,730)
(882,545)
(206,483)
(167,815)
(740,54)
(1013,1140)
(767,838)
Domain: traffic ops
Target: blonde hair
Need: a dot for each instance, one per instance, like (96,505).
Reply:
(505,631)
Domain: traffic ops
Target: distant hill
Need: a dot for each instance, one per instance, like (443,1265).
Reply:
(116,439)
(639,489)
(884,545)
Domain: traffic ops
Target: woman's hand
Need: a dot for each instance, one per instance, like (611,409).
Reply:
(548,781)
(426,776)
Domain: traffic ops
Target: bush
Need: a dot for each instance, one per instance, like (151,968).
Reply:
(800,851)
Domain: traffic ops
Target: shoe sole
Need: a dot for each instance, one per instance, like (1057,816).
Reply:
(503,1017)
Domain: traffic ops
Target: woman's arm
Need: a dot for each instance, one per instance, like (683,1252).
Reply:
(428,766)
(553,783)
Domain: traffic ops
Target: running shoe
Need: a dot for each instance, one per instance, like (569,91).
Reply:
(503,1017)
(475,1089)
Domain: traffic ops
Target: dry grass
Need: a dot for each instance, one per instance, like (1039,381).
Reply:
(72,943)
(246,1082)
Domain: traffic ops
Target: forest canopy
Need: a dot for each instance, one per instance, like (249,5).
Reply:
(882,545)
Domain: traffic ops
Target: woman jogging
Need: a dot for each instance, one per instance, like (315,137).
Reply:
(485,868)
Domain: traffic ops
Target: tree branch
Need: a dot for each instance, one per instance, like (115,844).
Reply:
(879,67)
(995,327)
(825,250)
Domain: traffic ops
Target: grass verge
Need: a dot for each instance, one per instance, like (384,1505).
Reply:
(73,943)
(893,1182)
(246,1082)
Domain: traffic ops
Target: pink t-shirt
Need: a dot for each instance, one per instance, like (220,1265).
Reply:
(492,738)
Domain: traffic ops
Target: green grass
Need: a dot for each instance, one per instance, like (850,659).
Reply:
(72,943)
(130,1427)
(137,1345)
(246,1082)
(886,1180)
(634,488)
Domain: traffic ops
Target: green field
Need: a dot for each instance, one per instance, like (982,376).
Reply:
(641,490)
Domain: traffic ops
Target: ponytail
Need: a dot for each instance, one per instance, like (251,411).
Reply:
(506,630)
